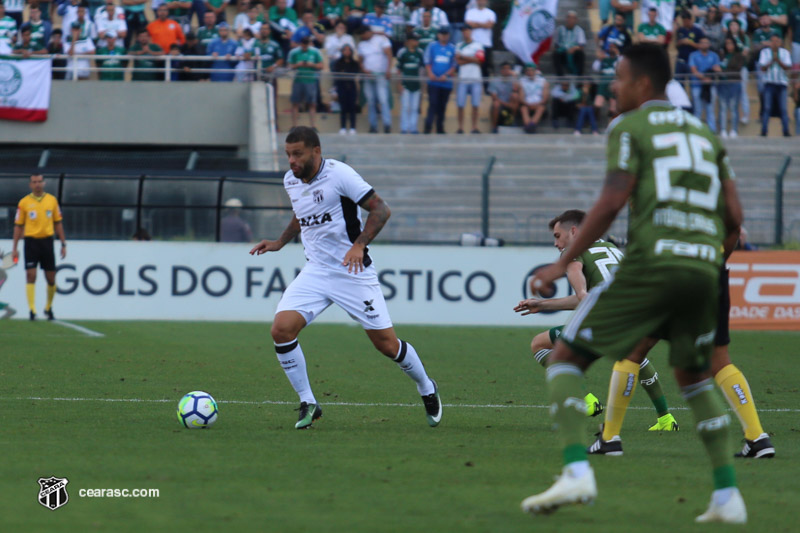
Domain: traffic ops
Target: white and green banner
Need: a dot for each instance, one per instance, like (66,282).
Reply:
(529,28)
(25,88)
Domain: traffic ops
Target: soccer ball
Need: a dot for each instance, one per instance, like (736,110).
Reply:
(197,410)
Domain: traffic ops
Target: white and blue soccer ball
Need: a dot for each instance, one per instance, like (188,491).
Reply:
(197,410)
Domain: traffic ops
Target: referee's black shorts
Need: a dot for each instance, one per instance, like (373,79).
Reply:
(40,252)
(723,337)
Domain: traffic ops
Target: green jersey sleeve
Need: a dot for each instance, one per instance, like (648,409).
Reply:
(622,153)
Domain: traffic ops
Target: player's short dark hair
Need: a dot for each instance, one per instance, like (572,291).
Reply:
(570,217)
(303,134)
(651,60)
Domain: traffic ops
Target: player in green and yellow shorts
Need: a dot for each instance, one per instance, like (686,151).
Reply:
(590,269)
(674,175)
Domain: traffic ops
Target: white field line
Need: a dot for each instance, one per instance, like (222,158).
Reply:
(86,331)
(345,404)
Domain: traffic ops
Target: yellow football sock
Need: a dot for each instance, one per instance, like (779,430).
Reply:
(51,293)
(624,377)
(734,385)
(30,290)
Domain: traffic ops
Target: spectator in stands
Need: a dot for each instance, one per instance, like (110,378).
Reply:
(440,65)
(569,42)
(14,10)
(378,21)
(730,88)
(651,31)
(699,10)
(616,33)
(794,29)
(535,96)
(218,8)
(110,46)
(26,45)
(40,29)
(410,61)
(703,63)
(68,11)
(44,7)
(232,227)
(438,17)
(482,20)
(469,56)
(734,9)
(346,86)
(189,67)
(564,99)
(743,43)
(208,32)
(796,98)
(78,45)
(455,11)
(426,32)
(713,29)
(8,30)
(241,17)
(250,22)
(223,49)
(586,110)
(776,63)
(135,19)
(778,14)
(245,68)
(505,97)
(398,13)
(87,27)
(626,8)
(332,13)
(271,56)
(111,19)
(309,28)
(334,42)
(179,11)
(283,20)
(375,55)
(56,46)
(606,67)
(148,50)
(307,61)
(687,38)
(165,32)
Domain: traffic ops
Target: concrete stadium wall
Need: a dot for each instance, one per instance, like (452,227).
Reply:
(178,114)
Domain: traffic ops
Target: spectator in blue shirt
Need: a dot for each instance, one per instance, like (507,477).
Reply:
(703,62)
(223,48)
(378,21)
(309,28)
(615,33)
(687,39)
(440,64)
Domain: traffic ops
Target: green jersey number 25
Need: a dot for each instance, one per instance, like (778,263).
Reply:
(690,149)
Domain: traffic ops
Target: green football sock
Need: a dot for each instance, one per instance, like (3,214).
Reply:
(648,377)
(568,409)
(713,427)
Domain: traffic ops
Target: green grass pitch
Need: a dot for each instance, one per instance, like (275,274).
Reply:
(371,463)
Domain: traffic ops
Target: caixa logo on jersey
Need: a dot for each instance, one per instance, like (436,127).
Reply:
(563,288)
(53,492)
(315,220)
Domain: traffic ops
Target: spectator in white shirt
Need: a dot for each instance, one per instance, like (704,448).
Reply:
(482,20)
(469,56)
(375,55)
(251,22)
(334,42)
(78,45)
(111,18)
(774,63)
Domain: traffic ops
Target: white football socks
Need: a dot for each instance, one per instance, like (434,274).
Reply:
(408,360)
(291,358)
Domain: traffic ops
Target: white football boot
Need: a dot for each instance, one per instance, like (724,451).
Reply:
(732,511)
(568,489)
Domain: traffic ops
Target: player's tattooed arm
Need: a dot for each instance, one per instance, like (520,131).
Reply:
(291,231)
(379,213)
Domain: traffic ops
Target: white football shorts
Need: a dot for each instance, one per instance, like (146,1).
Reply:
(315,288)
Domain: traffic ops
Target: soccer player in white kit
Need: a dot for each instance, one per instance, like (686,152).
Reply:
(326,195)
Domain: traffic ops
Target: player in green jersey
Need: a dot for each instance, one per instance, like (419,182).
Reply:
(588,270)
(683,205)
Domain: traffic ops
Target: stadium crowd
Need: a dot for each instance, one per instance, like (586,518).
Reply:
(434,46)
